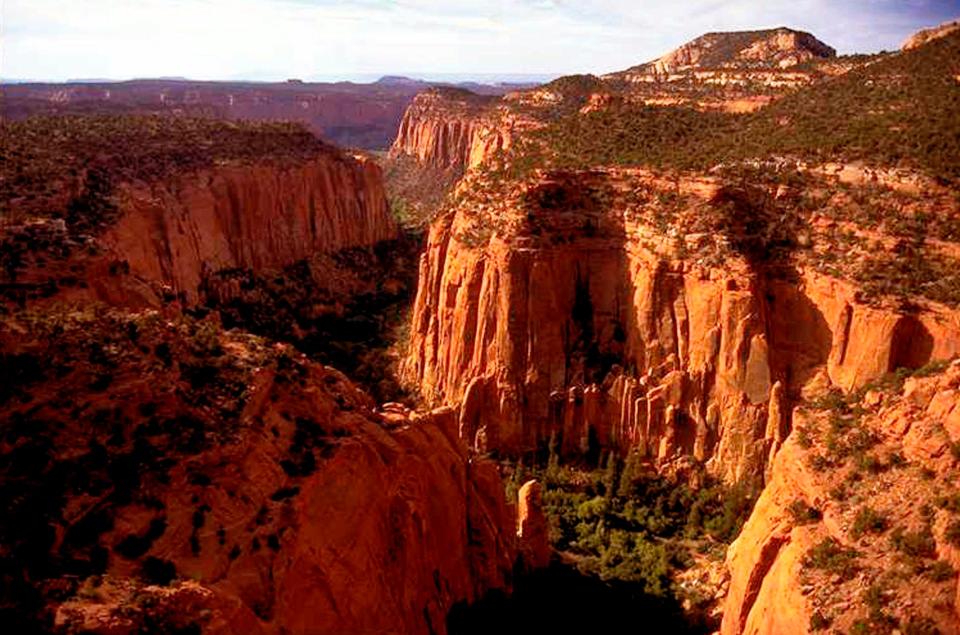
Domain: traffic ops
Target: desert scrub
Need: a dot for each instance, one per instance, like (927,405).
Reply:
(832,557)
(868,521)
(804,514)
(914,544)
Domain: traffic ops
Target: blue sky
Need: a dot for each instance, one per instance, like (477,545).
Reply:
(277,39)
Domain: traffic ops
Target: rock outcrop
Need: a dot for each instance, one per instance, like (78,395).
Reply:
(920,38)
(777,49)
(734,72)
(857,523)
(532,531)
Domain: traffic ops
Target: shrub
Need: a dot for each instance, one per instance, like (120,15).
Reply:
(158,571)
(940,571)
(831,556)
(952,533)
(915,544)
(818,621)
(804,514)
(868,520)
(134,546)
(920,626)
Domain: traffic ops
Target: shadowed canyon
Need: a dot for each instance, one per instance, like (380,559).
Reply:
(676,346)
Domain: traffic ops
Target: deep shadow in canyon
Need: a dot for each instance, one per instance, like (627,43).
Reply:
(345,310)
(561,599)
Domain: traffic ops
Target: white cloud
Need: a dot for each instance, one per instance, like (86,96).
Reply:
(57,39)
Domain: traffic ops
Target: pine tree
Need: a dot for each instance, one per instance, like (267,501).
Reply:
(552,475)
(611,476)
(632,471)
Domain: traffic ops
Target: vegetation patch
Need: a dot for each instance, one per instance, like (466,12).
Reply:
(621,523)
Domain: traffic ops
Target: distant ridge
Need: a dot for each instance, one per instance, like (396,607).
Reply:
(778,48)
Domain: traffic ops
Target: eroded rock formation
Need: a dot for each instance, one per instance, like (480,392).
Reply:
(777,48)
(572,315)
(532,530)
(452,130)
(831,528)
(920,38)
(272,484)
(173,235)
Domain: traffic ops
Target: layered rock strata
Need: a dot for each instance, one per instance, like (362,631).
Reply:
(453,131)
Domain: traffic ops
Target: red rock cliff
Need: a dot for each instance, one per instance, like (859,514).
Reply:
(452,130)
(585,324)
(256,217)
(169,235)
(859,513)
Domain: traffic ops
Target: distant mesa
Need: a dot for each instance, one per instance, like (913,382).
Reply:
(780,48)
(399,80)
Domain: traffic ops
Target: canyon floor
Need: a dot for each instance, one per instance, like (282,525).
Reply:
(675,348)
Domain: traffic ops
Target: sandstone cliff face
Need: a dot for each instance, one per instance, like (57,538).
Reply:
(176,233)
(452,131)
(169,236)
(586,325)
(834,541)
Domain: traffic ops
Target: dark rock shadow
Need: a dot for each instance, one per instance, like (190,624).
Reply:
(912,344)
(561,599)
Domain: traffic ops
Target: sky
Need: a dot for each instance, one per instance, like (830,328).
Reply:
(362,39)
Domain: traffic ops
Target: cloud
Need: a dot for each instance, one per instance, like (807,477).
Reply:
(217,39)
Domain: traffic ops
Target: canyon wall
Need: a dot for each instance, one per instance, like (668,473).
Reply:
(277,496)
(240,487)
(452,131)
(586,327)
(173,234)
(814,504)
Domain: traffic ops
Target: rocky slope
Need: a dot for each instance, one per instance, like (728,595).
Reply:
(857,529)
(775,49)
(920,38)
(253,489)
